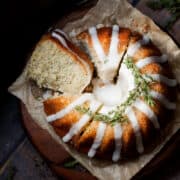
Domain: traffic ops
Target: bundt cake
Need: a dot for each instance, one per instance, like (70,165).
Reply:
(59,65)
(130,96)
(106,48)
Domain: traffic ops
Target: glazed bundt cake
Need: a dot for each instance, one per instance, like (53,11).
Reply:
(106,48)
(130,99)
(59,65)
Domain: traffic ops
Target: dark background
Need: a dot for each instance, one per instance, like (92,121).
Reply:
(22,24)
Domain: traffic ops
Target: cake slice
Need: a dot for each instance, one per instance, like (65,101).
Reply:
(58,65)
(106,47)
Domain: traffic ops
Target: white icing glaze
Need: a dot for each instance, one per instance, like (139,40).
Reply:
(109,67)
(118,143)
(109,94)
(152,59)
(106,109)
(115,94)
(125,79)
(143,107)
(114,42)
(60,38)
(85,97)
(107,64)
(61,32)
(132,118)
(98,26)
(134,47)
(98,139)
(113,55)
(163,79)
(94,105)
(96,44)
(47,94)
(163,99)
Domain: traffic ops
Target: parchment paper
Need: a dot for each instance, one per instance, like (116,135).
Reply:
(108,12)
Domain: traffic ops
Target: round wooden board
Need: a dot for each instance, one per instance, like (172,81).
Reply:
(55,154)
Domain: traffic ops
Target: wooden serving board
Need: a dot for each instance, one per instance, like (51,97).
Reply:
(55,154)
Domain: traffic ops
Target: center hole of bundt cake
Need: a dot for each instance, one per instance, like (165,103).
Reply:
(111,94)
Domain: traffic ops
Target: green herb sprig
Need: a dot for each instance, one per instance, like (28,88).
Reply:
(173,6)
(11,172)
(70,164)
(83,110)
(142,82)
(118,115)
(111,118)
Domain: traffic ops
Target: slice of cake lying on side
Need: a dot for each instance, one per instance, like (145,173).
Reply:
(105,46)
(58,65)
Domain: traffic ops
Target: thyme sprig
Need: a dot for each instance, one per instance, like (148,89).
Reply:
(142,82)
(173,6)
(118,115)
(70,164)
(111,118)
(84,110)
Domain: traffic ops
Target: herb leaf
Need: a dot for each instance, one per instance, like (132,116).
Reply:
(83,110)
(142,82)
(70,164)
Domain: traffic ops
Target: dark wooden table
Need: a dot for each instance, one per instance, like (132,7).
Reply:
(18,158)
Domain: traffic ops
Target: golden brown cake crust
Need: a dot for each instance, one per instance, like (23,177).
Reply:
(84,139)
(54,105)
(104,35)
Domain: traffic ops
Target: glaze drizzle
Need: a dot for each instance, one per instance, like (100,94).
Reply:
(118,142)
(96,44)
(143,107)
(107,64)
(134,47)
(163,79)
(94,105)
(152,59)
(135,125)
(70,107)
(98,139)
